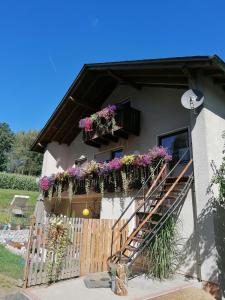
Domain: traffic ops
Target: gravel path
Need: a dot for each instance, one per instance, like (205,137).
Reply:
(20,236)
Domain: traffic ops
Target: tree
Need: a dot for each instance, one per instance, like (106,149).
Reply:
(22,159)
(6,141)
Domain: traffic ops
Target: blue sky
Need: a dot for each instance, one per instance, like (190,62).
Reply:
(45,43)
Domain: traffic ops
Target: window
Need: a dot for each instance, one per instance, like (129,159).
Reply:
(117,153)
(177,144)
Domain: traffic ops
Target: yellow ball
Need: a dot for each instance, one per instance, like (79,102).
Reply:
(86,212)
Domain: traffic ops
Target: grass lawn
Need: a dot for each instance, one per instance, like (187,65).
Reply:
(11,264)
(6,196)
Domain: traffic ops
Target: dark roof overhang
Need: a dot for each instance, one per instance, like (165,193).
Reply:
(95,83)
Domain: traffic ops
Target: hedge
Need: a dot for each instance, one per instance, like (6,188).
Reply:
(18,182)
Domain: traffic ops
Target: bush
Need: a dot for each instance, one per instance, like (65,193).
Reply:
(18,182)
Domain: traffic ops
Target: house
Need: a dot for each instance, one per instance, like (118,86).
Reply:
(148,92)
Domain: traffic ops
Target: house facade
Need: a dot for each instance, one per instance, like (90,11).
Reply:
(154,88)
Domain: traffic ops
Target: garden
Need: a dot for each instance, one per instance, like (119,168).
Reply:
(12,240)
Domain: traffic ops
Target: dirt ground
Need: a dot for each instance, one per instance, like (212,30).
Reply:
(187,294)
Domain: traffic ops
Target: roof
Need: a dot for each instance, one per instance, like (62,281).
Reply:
(95,83)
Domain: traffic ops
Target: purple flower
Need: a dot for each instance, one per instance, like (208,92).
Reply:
(159,152)
(75,172)
(103,168)
(115,164)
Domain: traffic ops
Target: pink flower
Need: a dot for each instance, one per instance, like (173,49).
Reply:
(115,164)
(159,152)
(142,160)
(86,124)
(46,182)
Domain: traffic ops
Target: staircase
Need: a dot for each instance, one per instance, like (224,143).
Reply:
(155,206)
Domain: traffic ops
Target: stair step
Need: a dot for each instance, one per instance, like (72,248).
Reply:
(124,259)
(145,230)
(131,248)
(173,190)
(170,183)
(152,222)
(173,179)
(169,197)
(158,214)
(137,239)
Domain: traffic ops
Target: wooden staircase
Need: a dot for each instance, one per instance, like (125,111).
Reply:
(154,207)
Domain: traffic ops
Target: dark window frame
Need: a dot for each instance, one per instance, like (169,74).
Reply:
(177,132)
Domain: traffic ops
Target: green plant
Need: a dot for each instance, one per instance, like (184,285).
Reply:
(57,242)
(162,255)
(19,182)
(11,264)
(218,181)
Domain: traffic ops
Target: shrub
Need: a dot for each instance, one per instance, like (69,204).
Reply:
(162,256)
(18,182)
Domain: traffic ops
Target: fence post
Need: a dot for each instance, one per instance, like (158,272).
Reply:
(27,260)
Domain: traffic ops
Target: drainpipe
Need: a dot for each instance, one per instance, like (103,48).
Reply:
(193,116)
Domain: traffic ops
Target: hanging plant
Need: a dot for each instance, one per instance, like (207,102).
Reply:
(101,185)
(136,167)
(50,192)
(59,191)
(102,121)
(87,185)
(114,181)
(57,242)
(125,182)
(70,190)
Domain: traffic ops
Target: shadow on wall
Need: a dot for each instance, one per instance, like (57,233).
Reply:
(200,247)
(201,241)
(219,223)
(59,155)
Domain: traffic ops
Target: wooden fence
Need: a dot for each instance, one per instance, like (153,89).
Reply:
(87,252)
(96,244)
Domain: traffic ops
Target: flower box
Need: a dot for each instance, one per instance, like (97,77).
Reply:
(109,124)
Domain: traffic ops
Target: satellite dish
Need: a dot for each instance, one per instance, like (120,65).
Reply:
(192,99)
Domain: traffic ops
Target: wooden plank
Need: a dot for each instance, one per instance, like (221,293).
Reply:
(27,261)
(43,254)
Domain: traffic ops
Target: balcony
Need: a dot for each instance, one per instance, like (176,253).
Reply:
(127,122)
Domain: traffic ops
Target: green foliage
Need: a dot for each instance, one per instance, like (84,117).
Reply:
(19,182)
(218,181)
(6,197)
(6,141)
(11,264)
(57,242)
(22,160)
(162,256)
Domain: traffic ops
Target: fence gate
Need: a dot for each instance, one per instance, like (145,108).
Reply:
(87,252)
(35,271)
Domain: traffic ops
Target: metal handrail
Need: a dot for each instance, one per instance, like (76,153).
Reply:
(137,194)
(165,217)
(157,187)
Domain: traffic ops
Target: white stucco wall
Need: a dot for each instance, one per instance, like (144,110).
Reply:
(161,112)
(207,142)
(112,207)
